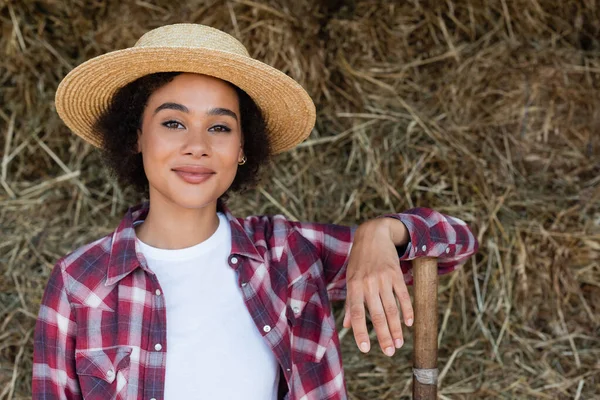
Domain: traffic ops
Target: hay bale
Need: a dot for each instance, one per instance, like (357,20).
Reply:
(483,110)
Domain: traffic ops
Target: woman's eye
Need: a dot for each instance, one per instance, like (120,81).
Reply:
(220,128)
(172,124)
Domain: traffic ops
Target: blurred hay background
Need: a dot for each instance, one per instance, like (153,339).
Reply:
(486,110)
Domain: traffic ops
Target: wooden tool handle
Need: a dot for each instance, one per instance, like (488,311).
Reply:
(426,328)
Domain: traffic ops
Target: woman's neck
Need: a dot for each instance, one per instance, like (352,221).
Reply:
(171,226)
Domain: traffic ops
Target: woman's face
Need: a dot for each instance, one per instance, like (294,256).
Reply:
(191,140)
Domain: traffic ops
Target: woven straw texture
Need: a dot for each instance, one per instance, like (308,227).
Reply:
(86,91)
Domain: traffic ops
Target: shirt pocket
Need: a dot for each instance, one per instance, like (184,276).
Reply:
(103,373)
(309,316)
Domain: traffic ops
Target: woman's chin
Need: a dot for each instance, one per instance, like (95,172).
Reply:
(180,197)
(189,196)
(194,202)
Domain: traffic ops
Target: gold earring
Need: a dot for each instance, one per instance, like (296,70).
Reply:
(243,161)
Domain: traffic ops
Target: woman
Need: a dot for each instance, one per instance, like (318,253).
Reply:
(186,116)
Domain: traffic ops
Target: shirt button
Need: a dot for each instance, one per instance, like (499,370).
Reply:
(157,347)
(110,374)
(153,398)
(157,292)
(244,284)
(288,370)
(234,260)
(267,328)
(296,310)
(447,250)
(424,248)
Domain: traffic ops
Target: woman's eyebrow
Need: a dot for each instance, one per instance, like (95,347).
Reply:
(222,111)
(182,108)
(172,106)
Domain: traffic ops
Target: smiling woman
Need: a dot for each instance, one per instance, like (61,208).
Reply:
(179,131)
(185,300)
(122,120)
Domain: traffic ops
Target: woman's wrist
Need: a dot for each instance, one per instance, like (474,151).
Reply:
(396,230)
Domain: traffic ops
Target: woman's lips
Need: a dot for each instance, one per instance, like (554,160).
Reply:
(193,178)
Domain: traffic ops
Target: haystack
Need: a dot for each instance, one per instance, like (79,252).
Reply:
(486,110)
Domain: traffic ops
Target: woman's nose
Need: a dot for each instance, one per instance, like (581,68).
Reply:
(197,143)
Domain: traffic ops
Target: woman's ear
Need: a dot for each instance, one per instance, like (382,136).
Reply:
(241,152)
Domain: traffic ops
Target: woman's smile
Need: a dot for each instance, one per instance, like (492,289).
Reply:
(191,129)
(194,174)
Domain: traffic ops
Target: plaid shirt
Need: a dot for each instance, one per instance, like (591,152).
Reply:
(101,328)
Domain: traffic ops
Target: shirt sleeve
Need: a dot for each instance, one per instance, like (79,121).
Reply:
(432,234)
(54,375)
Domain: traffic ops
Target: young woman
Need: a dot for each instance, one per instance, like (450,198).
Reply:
(183,300)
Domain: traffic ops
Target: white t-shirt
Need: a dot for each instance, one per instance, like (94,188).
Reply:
(214,349)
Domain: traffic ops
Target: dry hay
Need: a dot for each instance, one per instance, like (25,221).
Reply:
(483,110)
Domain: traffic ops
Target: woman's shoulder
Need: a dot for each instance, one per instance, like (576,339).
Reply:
(276,223)
(93,255)
(267,233)
(260,224)
(116,248)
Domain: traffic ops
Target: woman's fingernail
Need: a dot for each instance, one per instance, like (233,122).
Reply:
(389,351)
(409,322)
(364,347)
(398,343)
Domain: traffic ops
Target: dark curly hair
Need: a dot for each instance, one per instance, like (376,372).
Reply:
(118,126)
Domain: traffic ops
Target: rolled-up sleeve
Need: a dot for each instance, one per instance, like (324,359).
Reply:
(432,234)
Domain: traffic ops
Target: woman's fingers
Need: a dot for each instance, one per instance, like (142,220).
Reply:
(379,319)
(404,300)
(379,292)
(355,314)
(392,313)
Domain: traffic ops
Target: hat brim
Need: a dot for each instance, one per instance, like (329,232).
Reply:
(86,91)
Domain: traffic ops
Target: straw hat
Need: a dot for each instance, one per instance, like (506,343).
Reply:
(86,91)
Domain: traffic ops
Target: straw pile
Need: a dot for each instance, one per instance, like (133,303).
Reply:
(486,110)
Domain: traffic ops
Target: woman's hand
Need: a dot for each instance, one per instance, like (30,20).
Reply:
(374,276)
